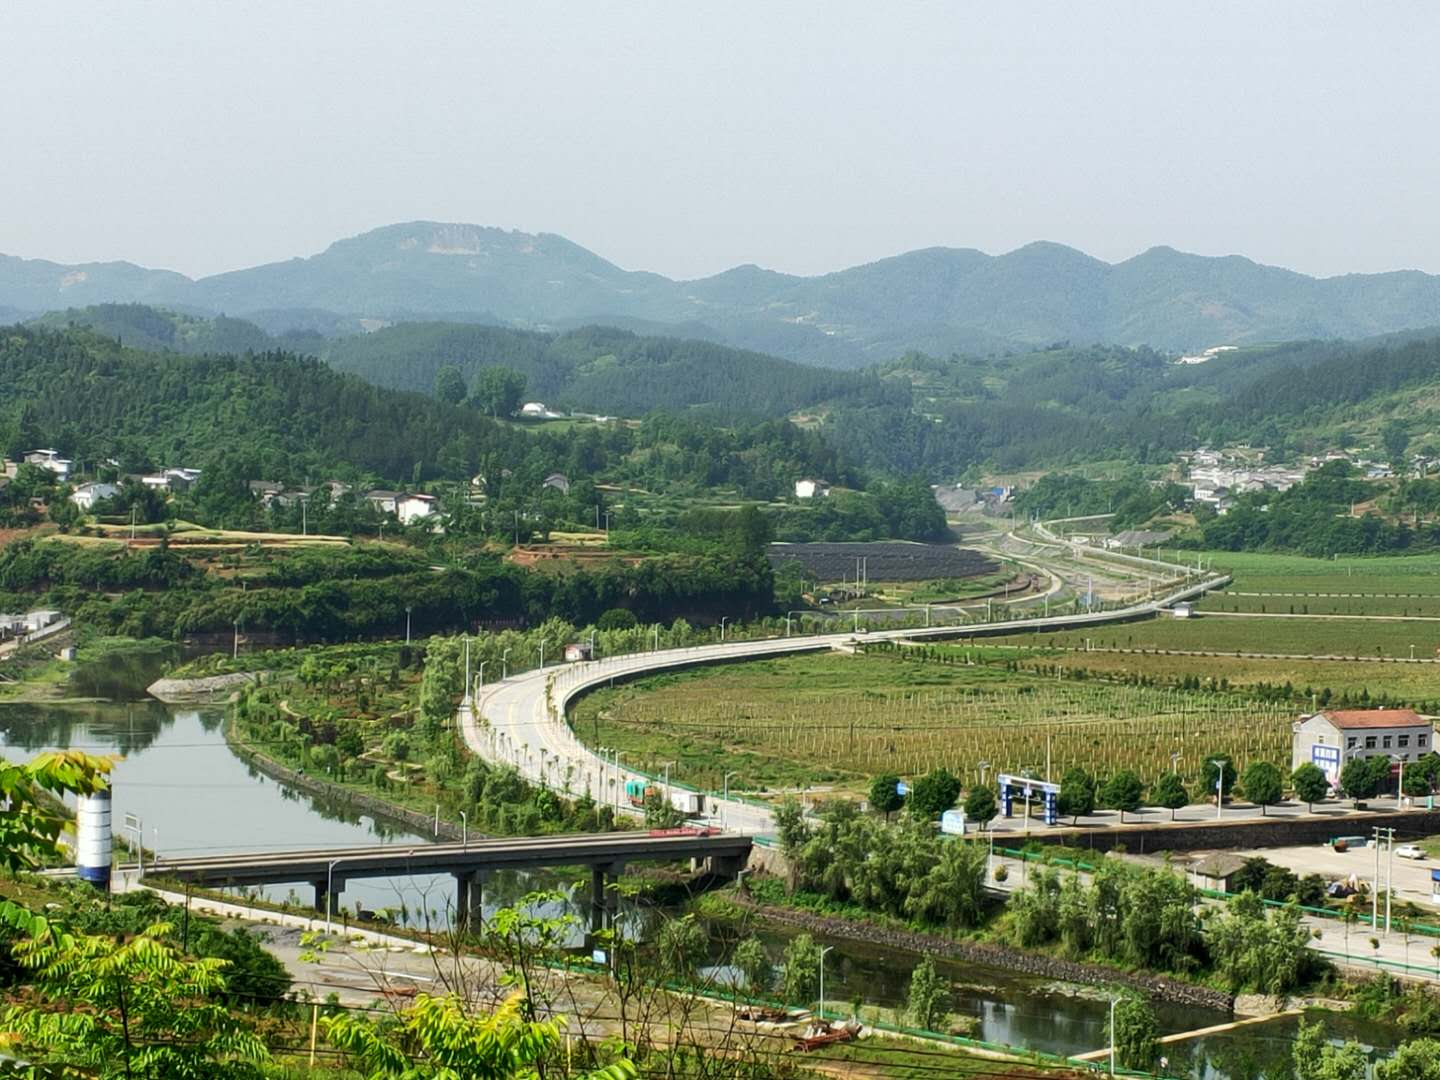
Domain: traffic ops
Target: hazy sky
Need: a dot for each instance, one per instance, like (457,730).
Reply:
(685,138)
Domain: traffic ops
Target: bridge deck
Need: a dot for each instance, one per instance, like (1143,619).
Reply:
(511,853)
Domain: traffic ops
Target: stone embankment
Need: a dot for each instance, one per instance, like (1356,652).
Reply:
(193,691)
(1000,956)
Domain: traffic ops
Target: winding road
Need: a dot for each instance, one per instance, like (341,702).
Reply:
(520,721)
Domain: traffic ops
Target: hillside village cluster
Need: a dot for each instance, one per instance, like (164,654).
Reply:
(405,506)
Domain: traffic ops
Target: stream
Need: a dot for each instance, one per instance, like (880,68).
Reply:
(192,796)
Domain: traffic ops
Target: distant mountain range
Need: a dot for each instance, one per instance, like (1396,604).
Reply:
(937,300)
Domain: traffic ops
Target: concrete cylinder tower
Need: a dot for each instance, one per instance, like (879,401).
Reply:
(92,839)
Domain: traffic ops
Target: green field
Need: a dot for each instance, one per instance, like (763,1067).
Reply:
(1294,603)
(835,721)
(1362,638)
(1296,573)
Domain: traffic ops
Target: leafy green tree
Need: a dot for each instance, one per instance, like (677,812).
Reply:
(1260,950)
(1263,784)
(128,1007)
(791,828)
(934,793)
(1218,767)
(31,825)
(498,390)
(1310,784)
(681,944)
(980,805)
(885,797)
(1358,780)
(616,619)
(1123,792)
(457,1043)
(754,964)
(1137,1034)
(1416,1059)
(1169,792)
(952,891)
(1314,1058)
(450,385)
(1077,793)
(801,979)
(1396,440)
(928,1002)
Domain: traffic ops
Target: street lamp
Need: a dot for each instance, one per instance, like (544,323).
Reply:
(542,654)
(505,665)
(666,781)
(408,609)
(480,679)
(823,951)
(467,669)
(1219,764)
(1112,1035)
(723,620)
(464,832)
(725,783)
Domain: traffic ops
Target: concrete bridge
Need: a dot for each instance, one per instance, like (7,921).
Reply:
(607,855)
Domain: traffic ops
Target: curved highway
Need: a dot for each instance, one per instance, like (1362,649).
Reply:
(520,721)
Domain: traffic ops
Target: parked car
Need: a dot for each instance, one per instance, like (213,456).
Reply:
(1410,851)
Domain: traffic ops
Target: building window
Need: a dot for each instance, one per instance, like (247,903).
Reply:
(1386,743)
(1369,742)
(1402,740)
(1350,742)
(1420,740)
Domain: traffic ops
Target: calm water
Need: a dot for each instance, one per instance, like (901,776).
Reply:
(194,796)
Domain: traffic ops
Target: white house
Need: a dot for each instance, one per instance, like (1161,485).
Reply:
(39,620)
(51,460)
(87,495)
(411,508)
(383,501)
(809,489)
(535,410)
(1330,739)
(559,481)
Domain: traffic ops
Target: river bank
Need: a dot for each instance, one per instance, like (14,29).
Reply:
(992,955)
(339,794)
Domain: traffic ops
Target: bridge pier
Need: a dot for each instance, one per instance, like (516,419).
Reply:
(726,866)
(469,898)
(604,898)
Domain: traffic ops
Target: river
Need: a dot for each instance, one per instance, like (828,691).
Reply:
(192,795)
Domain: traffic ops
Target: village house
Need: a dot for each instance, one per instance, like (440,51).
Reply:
(809,489)
(50,460)
(412,508)
(383,501)
(1331,738)
(87,495)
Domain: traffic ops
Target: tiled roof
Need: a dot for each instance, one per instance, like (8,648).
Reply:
(1374,718)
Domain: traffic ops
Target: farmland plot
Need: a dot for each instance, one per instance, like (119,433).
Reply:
(802,721)
(893,561)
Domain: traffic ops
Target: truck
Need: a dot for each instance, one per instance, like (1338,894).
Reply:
(638,791)
(689,803)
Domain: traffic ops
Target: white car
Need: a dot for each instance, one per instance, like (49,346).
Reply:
(1410,851)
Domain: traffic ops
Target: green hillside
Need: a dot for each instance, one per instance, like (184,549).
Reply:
(604,370)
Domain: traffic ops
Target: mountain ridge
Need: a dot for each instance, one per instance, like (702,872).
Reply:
(937,299)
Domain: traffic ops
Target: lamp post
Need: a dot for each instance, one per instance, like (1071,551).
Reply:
(408,609)
(542,654)
(505,664)
(666,781)
(723,620)
(823,951)
(480,678)
(725,783)
(657,639)
(464,832)
(467,670)
(1112,1035)
(1219,764)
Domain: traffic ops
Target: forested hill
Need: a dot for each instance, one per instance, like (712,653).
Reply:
(939,300)
(604,370)
(93,398)
(591,369)
(279,416)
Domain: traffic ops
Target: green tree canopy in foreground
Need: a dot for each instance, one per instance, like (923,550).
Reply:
(1310,783)
(1169,792)
(1263,784)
